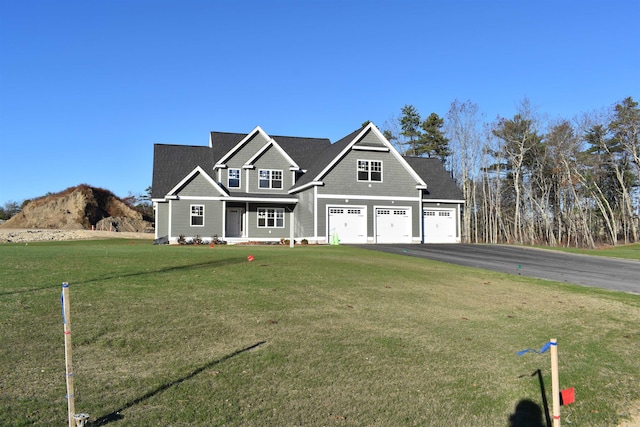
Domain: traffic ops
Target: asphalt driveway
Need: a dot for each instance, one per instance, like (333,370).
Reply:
(595,271)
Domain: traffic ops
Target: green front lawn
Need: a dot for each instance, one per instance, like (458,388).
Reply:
(631,251)
(314,336)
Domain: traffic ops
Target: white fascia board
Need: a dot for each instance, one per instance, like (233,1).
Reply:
(304,187)
(443,200)
(262,199)
(421,187)
(273,143)
(220,166)
(343,153)
(397,155)
(245,166)
(365,148)
(359,197)
(286,155)
(202,198)
(265,147)
(388,146)
(197,170)
(239,145)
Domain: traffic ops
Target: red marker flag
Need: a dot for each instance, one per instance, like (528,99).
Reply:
(568,396)
(250,258)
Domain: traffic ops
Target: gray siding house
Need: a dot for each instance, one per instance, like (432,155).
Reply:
(257,187)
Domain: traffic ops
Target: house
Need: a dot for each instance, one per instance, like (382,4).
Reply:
(257,187)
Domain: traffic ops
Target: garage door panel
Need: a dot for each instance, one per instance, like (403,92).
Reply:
(439,226)
(348,224)
(393,225)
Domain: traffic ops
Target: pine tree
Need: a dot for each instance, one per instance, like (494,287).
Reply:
(410,125)
(433,142)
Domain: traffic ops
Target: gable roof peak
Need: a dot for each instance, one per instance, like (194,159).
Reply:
(339,149)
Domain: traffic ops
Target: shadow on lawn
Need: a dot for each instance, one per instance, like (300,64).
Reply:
(528,413)
(115,415)
(217,263)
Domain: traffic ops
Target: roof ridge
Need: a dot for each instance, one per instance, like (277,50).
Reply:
(180,145)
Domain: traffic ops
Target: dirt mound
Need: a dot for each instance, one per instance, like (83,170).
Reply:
(80,208)
(10,235)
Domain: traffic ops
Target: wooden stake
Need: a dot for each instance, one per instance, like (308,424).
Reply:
(66,321)
(555,385)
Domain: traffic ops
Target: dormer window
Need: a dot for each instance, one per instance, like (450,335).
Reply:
(268,178)
(370,170)
(234,178)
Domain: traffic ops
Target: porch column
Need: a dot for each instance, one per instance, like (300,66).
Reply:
(292,229)
(224,220)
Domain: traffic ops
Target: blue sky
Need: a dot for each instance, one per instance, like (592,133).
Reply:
(87,87)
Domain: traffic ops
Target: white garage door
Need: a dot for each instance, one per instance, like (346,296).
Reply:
(393,225)
(349,224)
(439,226)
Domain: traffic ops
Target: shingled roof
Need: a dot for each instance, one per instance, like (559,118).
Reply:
(171,163)
(440,184)
(322,159)
(222,142)
(304,151)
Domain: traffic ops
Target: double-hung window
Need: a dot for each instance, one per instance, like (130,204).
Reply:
(234,178)
(370,170)
(268,178)
(197,215)
(271,217)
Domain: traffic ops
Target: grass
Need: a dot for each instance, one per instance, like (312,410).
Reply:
(630,251)
(314,336)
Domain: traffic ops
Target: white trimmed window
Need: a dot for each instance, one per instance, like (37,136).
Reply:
(270,217)
(370,170)
(197,215)
(234,178)
(268,178)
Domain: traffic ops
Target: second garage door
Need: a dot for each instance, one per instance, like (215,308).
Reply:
(348,224)
(393,225)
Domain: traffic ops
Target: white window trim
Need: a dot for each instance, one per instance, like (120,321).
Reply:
(239,171)
(369,171)
(271,187)
(191,215)
(265,216)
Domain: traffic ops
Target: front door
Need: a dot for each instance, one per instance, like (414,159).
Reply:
(235,221)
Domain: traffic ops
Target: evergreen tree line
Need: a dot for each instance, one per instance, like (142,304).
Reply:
(531,180)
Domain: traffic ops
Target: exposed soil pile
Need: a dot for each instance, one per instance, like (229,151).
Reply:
(80,208)
(9,235)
